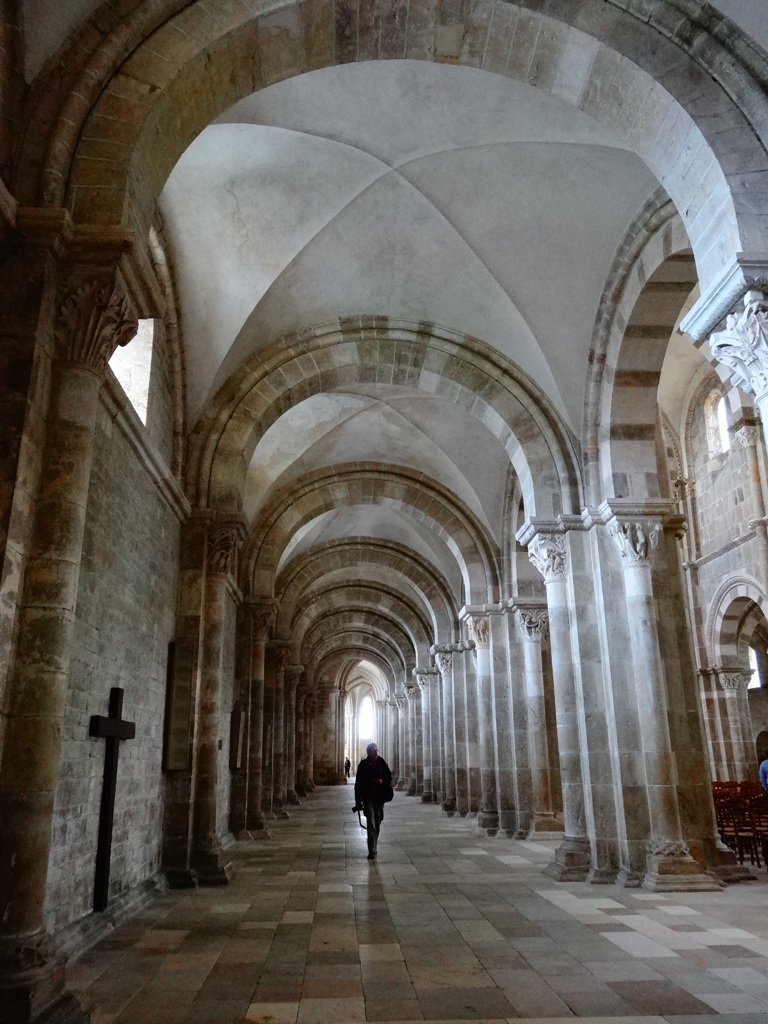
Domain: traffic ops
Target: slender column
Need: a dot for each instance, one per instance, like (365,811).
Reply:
(293,675)
(488,817)
(411,693)
(505,650)
(93,317)
(533,623)
(734,687)
(309,763)
(263,615)
(279,774)
(301,743)
(380,735)
(402,710)
(473,732)
(669,865)
(207,856)
(426,680)
(748,438)
(547,552)
(460,727)
(443,655)
(393,736)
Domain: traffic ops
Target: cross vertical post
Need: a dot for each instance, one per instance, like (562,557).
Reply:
(113,729)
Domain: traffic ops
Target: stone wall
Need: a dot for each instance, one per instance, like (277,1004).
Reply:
(160,399)
(722,490)
(125,619)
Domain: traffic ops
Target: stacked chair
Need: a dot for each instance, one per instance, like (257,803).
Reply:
(741,810)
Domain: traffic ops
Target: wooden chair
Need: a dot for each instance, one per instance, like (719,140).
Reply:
(758,808)
(737,831)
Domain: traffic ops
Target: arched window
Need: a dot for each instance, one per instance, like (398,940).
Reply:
(716,420)
(132,366)
(754,682)
(365,719)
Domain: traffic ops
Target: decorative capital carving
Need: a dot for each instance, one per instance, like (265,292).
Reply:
(263,617)
(282,654)
(547,554)
(743,345)
(93,318)
(294,671)
(669,848)
(534,623)
(413,694)
(479,630)
(635,540)
(400,700)
(747,436)
(222,551)
(443,660)
(732,682)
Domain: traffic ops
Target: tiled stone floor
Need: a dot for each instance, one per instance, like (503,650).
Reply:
(446,925)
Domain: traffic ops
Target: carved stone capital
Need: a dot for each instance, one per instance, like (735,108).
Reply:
(264,614)
(443,659)
(479,630)
(413,694)
(635,540)
(547,554)
(93,317)
(282,654)
(400,700)
(732,682)
(747,436)
(534,623)
(294,672)
(743,345)
(222,550)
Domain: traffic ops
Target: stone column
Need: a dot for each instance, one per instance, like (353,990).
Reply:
(293,675)
(309,762)
(460,731)
(547,552)
(443,654)
(505,655)
(279,773)
(669,864)
(380,736)
(412,693)
(402,734)
(488,818)
(748,438)
(207,856)
(533,623)
(263,615)
(92,316)
(424,679)
(301,743)
(734,687)
(473,732)
(393,737)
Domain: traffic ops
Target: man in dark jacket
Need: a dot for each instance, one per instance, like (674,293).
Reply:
(373,783)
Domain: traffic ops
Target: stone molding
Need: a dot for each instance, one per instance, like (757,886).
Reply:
(263,615)
(743,345)
(667,848)
(635,540)
(747,272)
(547,554)
(533,622)
(222,552)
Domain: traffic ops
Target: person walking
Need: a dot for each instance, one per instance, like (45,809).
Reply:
(347,766)
(373,788)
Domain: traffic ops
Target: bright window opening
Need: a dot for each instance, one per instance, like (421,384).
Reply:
(365,719)
(722,425)
(132,366)
(754,681)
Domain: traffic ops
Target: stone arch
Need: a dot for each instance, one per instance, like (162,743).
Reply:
(433,361)
(169,73)
(381,624)
(735,600)
(350,642)
(353,596)
(396,560)
(411,493)
(632,331)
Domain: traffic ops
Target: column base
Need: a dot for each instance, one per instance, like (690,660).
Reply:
(546,826)
(426,798)
(180,878)
(292,797)
(245,836)
(669,867)
(489,821)
(218,876)
(400,785)
(572,860)
(301,791)
(602,876)
(411,790)
(449,807)
(32,983)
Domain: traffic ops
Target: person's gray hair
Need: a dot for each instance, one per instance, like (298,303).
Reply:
(368,748)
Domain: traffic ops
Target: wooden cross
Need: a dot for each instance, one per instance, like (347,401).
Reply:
(112,729)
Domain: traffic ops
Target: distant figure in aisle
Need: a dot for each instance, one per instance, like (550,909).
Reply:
(373,788)
(347,766)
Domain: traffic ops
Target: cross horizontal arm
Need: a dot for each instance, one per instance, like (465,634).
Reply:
(108,728)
